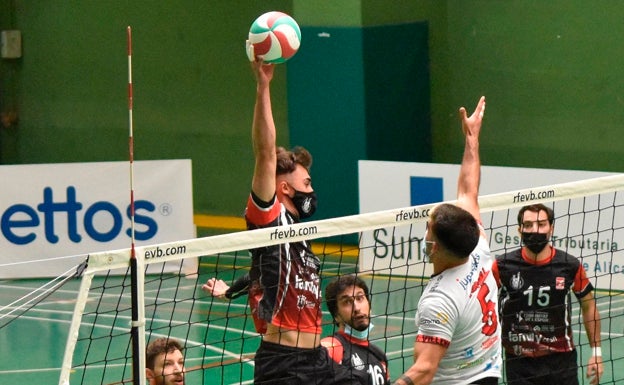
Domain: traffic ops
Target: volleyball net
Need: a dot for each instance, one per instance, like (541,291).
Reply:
(219,336)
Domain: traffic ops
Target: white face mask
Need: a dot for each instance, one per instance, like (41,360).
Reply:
(359,334)
(423,248)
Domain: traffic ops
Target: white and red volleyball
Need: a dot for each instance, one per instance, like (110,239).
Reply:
(274,37)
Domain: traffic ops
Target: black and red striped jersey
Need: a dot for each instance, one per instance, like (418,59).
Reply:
(535,301)
(285,285)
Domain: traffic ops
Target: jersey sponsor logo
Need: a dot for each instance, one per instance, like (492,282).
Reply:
(489,342)
(441,318)
(309,286)
(301,301)
(474,266)
(471,364)
(357,362)
(532,316)
(560,283)
(432,340)
(428,321)
(527,328)
(530,337)
(516,282)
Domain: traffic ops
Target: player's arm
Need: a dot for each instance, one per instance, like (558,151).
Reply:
(263,134)
(591,320)
(470,170)
(432,340)
(427,357)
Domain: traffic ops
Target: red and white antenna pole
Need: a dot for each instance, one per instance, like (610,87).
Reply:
(131,141)
(137,267)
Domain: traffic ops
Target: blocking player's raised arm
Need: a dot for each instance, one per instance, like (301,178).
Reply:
(470,170)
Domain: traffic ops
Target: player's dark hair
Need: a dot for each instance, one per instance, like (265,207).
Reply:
(287,160)
(159,346)
(337,286)
(455,229)
(536,208)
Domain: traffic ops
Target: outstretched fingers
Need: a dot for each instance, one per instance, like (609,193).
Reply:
(472,124)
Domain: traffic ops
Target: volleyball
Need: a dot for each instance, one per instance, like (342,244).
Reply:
(274,37)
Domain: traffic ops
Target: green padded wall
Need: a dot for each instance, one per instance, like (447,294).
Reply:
(326,112)
(398,120)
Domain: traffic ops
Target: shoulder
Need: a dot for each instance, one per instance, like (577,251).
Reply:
(564,257)
(515,253)
(483,247)
(513,256)
(378,352)
(444,298)
(334,347)
(262,214)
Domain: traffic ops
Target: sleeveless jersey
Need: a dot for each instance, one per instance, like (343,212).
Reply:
(459,309)
(367,362)
(285,285)
(536,301)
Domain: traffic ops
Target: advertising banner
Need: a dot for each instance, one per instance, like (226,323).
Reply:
(53,215)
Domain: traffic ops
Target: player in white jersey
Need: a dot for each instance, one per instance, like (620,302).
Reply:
(458,311)
(458,339)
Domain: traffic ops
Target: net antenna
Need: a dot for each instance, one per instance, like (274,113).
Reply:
(137,266)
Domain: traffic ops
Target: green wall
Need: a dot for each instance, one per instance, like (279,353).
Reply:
(550,72)
(193,88)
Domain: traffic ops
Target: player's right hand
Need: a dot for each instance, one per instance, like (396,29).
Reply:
(215,287)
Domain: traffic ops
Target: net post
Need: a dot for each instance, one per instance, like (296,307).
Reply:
(72,338)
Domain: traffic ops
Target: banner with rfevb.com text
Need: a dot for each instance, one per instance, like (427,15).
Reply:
(52,215)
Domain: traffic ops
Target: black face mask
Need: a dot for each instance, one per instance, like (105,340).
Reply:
(305,203)
(535,241)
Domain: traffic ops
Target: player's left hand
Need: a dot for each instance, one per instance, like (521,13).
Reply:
(594,370)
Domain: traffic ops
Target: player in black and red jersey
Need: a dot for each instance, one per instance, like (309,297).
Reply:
(535,284)
(348,301)
(283,284)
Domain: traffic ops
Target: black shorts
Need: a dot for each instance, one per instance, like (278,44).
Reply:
(556,368)
(278,364)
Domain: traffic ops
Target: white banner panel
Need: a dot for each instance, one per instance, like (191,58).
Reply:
(387,185)
(51,215)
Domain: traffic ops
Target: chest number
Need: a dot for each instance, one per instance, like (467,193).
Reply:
(376,375)
(543,295)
